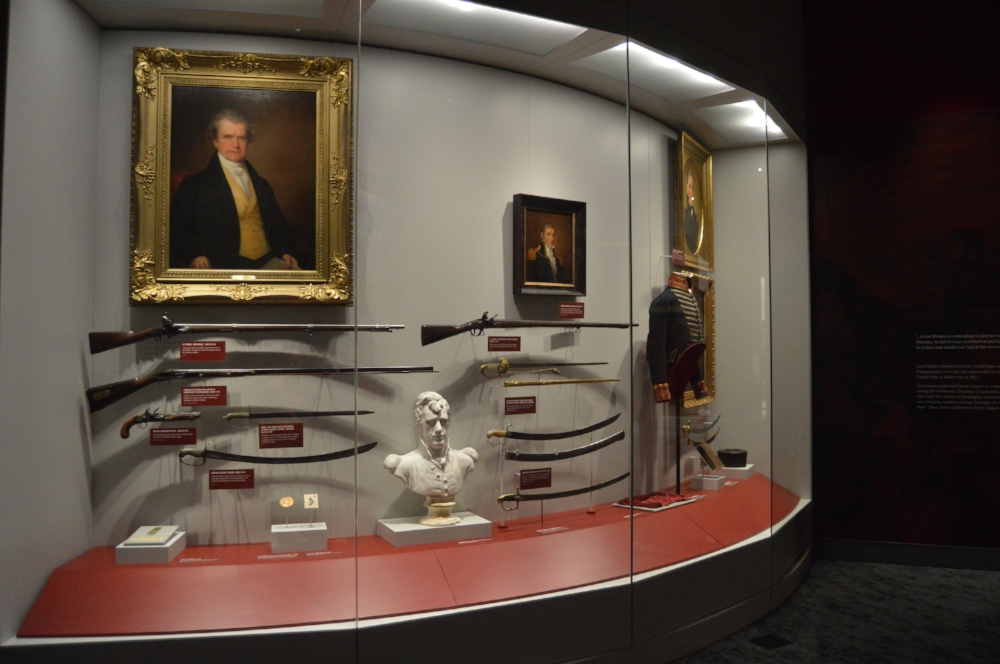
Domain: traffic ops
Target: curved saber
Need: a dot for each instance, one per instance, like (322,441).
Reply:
(517,435)
(705,427)
(225,456)
(514,455)
(518,497)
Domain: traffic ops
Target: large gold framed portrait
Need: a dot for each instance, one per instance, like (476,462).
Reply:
(241,178)
(694,232)
(703,289)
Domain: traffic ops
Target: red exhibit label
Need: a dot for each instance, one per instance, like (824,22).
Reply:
(173,436)
(230,479)
(519,405)
(279,435)
(203,351)
(212,395)
(503,344)
(535,478)
(571,310)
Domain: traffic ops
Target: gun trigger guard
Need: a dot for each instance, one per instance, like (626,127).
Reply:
(476,332)
(142,425)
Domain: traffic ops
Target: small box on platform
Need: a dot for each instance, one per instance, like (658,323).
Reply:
(708,482)
(407,530)
(151,554)
(298,537)
(739,473)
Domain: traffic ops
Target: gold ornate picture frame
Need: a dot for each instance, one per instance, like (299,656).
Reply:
(704,292)
(273,224)
(694,230)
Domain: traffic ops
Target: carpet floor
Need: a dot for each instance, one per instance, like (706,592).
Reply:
(864,612)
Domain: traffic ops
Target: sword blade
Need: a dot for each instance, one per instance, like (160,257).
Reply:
(514,455)
(517,435)
(705,427)
(293,414)
(526,365)
(519,497)
(225,456)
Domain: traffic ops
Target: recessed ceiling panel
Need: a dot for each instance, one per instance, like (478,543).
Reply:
(304,8)
(741,123)
(654,72)
(472,22)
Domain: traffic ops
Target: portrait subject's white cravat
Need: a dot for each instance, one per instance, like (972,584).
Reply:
(238,171)
(550,253)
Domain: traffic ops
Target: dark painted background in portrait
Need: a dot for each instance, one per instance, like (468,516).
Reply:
(904,156)
(283,150)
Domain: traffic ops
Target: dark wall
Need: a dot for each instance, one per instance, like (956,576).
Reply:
(904,155)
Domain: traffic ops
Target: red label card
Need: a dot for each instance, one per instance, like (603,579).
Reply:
(279,435)
(536,478)
(230,479)
(212,395)
(677,257)
(173,436)
(571,310)
(203,351)
(519,405)
(503,344)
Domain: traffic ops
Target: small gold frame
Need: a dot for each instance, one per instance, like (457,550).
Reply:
(704,292)
(694,228)
(323,87)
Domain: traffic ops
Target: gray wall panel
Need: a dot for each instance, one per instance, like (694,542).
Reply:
(46,299)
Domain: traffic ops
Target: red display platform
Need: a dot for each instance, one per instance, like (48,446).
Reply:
(216,588)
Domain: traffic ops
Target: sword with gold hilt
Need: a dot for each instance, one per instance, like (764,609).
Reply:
(503,367)
(704,448)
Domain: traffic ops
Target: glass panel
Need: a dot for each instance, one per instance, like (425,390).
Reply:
(493,177)
(700,276)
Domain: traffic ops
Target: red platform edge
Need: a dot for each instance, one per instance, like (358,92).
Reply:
(220,588)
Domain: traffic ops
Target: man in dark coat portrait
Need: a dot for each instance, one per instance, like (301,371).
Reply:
(227,217)
(692,225)
(543,266)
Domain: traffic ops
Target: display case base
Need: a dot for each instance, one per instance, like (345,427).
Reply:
(707,482)
(407,530)
(154,554)
(738,473)
(296,537)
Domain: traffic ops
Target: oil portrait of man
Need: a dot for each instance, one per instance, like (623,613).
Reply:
(237,204)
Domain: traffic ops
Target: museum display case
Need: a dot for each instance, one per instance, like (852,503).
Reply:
(475,320)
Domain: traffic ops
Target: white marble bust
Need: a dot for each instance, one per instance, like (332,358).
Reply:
(434,469)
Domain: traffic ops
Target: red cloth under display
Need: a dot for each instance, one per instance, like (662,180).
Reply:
(216,588)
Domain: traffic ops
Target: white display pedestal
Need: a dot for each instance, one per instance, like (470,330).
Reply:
(296,537)
(151,554)
(407,530)
(708,482)
(739,473)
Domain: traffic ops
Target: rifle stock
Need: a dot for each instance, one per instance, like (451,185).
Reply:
(102,396)
(102,341)
(430,334)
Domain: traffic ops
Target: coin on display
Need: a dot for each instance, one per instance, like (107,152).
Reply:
(287,501)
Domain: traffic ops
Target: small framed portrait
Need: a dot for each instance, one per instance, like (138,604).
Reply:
(703,289)
(241,178)
(550,246)
(693,234)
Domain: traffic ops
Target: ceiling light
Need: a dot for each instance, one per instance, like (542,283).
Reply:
(469,21)
(653,72)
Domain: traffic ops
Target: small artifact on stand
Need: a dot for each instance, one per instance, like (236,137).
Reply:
(433,470)
(297,537)
(735,465)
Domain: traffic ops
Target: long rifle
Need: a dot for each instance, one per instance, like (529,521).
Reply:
(103,396)
(102,341)
(430,334)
